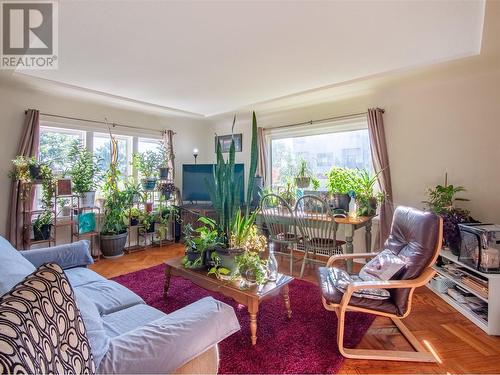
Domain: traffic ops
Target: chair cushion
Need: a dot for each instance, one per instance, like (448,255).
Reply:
(41,329)
(80,276)
(341,280)
(385,266)
(126,320)
(334,296)
(414,235)
(109,296)
(98,338)
(13,266)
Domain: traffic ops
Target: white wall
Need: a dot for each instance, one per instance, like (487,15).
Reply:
(15,100)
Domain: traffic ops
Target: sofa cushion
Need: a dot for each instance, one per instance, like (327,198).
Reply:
(109,296)
(99,340)
(41,329)
(13,266)
(80,276)
(123,321)
(75,254)
(334,295)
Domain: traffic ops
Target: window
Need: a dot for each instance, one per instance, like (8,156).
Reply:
(148,144)
(322,147)
(55,145)
(102,150)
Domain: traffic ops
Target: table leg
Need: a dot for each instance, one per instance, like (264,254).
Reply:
(286,296)
(368,236)
(349,233)
(253,310)
(166,285)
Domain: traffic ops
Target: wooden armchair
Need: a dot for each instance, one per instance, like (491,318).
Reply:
(416,237)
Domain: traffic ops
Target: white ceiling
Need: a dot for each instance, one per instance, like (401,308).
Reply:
(211,57)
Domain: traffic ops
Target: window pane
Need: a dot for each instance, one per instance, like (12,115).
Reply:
(148,144)
(55,145)
(102,150)
(349,149)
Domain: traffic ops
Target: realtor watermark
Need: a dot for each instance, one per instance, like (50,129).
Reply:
(29,37)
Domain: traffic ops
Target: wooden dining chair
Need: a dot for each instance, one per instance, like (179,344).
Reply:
(416,237)
(280,223)
(318,229)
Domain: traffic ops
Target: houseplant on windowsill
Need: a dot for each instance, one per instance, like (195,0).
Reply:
(84,173)
(147,220)
(164,159)
(166,188)
(305,176)
(366,198)
(340,182)
(147,163)
(114,228)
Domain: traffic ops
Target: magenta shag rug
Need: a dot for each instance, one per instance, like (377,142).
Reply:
(304,344)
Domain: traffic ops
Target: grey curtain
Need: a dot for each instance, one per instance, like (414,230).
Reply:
(168,139)
(27,147)
(380,159)
(262,162)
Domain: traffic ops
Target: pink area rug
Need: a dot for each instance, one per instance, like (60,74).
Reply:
(304,344)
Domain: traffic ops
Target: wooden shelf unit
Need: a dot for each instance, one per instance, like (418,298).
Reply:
(491,325)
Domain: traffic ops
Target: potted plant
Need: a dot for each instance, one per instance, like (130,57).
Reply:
(441,200)
(251,268)
(147,164)
(341,181)
(64,207)
(147,220)
(199,243)
(27,169)
(84,173)
(305,176)
(133,190)
(42,226)
(133,216)
(166,188)
(164,159)
(288,192)
(116,203)
(366,198)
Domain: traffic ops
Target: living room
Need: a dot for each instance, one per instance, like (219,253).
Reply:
(308,137)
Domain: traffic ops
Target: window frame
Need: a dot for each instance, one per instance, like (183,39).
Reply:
(310,129)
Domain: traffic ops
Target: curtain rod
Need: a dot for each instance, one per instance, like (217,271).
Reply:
(310,122)
(113,124)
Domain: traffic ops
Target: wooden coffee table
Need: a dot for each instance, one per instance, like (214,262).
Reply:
(250,298)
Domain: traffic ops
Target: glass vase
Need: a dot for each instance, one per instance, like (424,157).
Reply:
(272,265)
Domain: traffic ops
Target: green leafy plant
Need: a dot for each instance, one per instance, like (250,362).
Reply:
(366,197)
(147,163)
(201,239)
(116,202)
(45,218)
(442,198)
(288,192)
(250,266)
(134,213)
(133,190)
(21,170)
(240,228)
(84,170)
(343,180)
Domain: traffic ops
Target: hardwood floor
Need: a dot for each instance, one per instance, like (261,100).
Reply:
(459,344)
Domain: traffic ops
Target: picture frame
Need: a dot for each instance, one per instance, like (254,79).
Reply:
(63,187)
(225,142)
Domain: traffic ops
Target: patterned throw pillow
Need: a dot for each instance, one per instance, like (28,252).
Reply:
(41,330)
(341,280)
(384,266)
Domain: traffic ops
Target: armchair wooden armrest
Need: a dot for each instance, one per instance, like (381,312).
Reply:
(423,279)
(335,258)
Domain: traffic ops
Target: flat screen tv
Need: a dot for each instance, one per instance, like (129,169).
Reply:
(194,188)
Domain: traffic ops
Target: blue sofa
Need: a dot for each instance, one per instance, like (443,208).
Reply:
(125,334)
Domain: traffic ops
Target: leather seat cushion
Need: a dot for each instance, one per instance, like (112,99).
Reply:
(333,295)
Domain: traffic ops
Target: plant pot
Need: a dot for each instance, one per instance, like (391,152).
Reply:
(87,199)
(340,201)
(134,221)
(148,184)
(302,182)
(367,207)
(207,259)
(227,256)
(150,228)
(112,245)
(164,173)
(166,195)
(192,256)
(148,206)
(42,233)
(66,211)
(35,171)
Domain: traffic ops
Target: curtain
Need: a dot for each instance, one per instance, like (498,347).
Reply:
(262,162)
(168,140)
(28,147)
(380,160)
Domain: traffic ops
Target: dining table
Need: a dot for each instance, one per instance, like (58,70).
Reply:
(349,224)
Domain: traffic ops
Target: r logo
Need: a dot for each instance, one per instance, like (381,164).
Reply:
(27,28)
